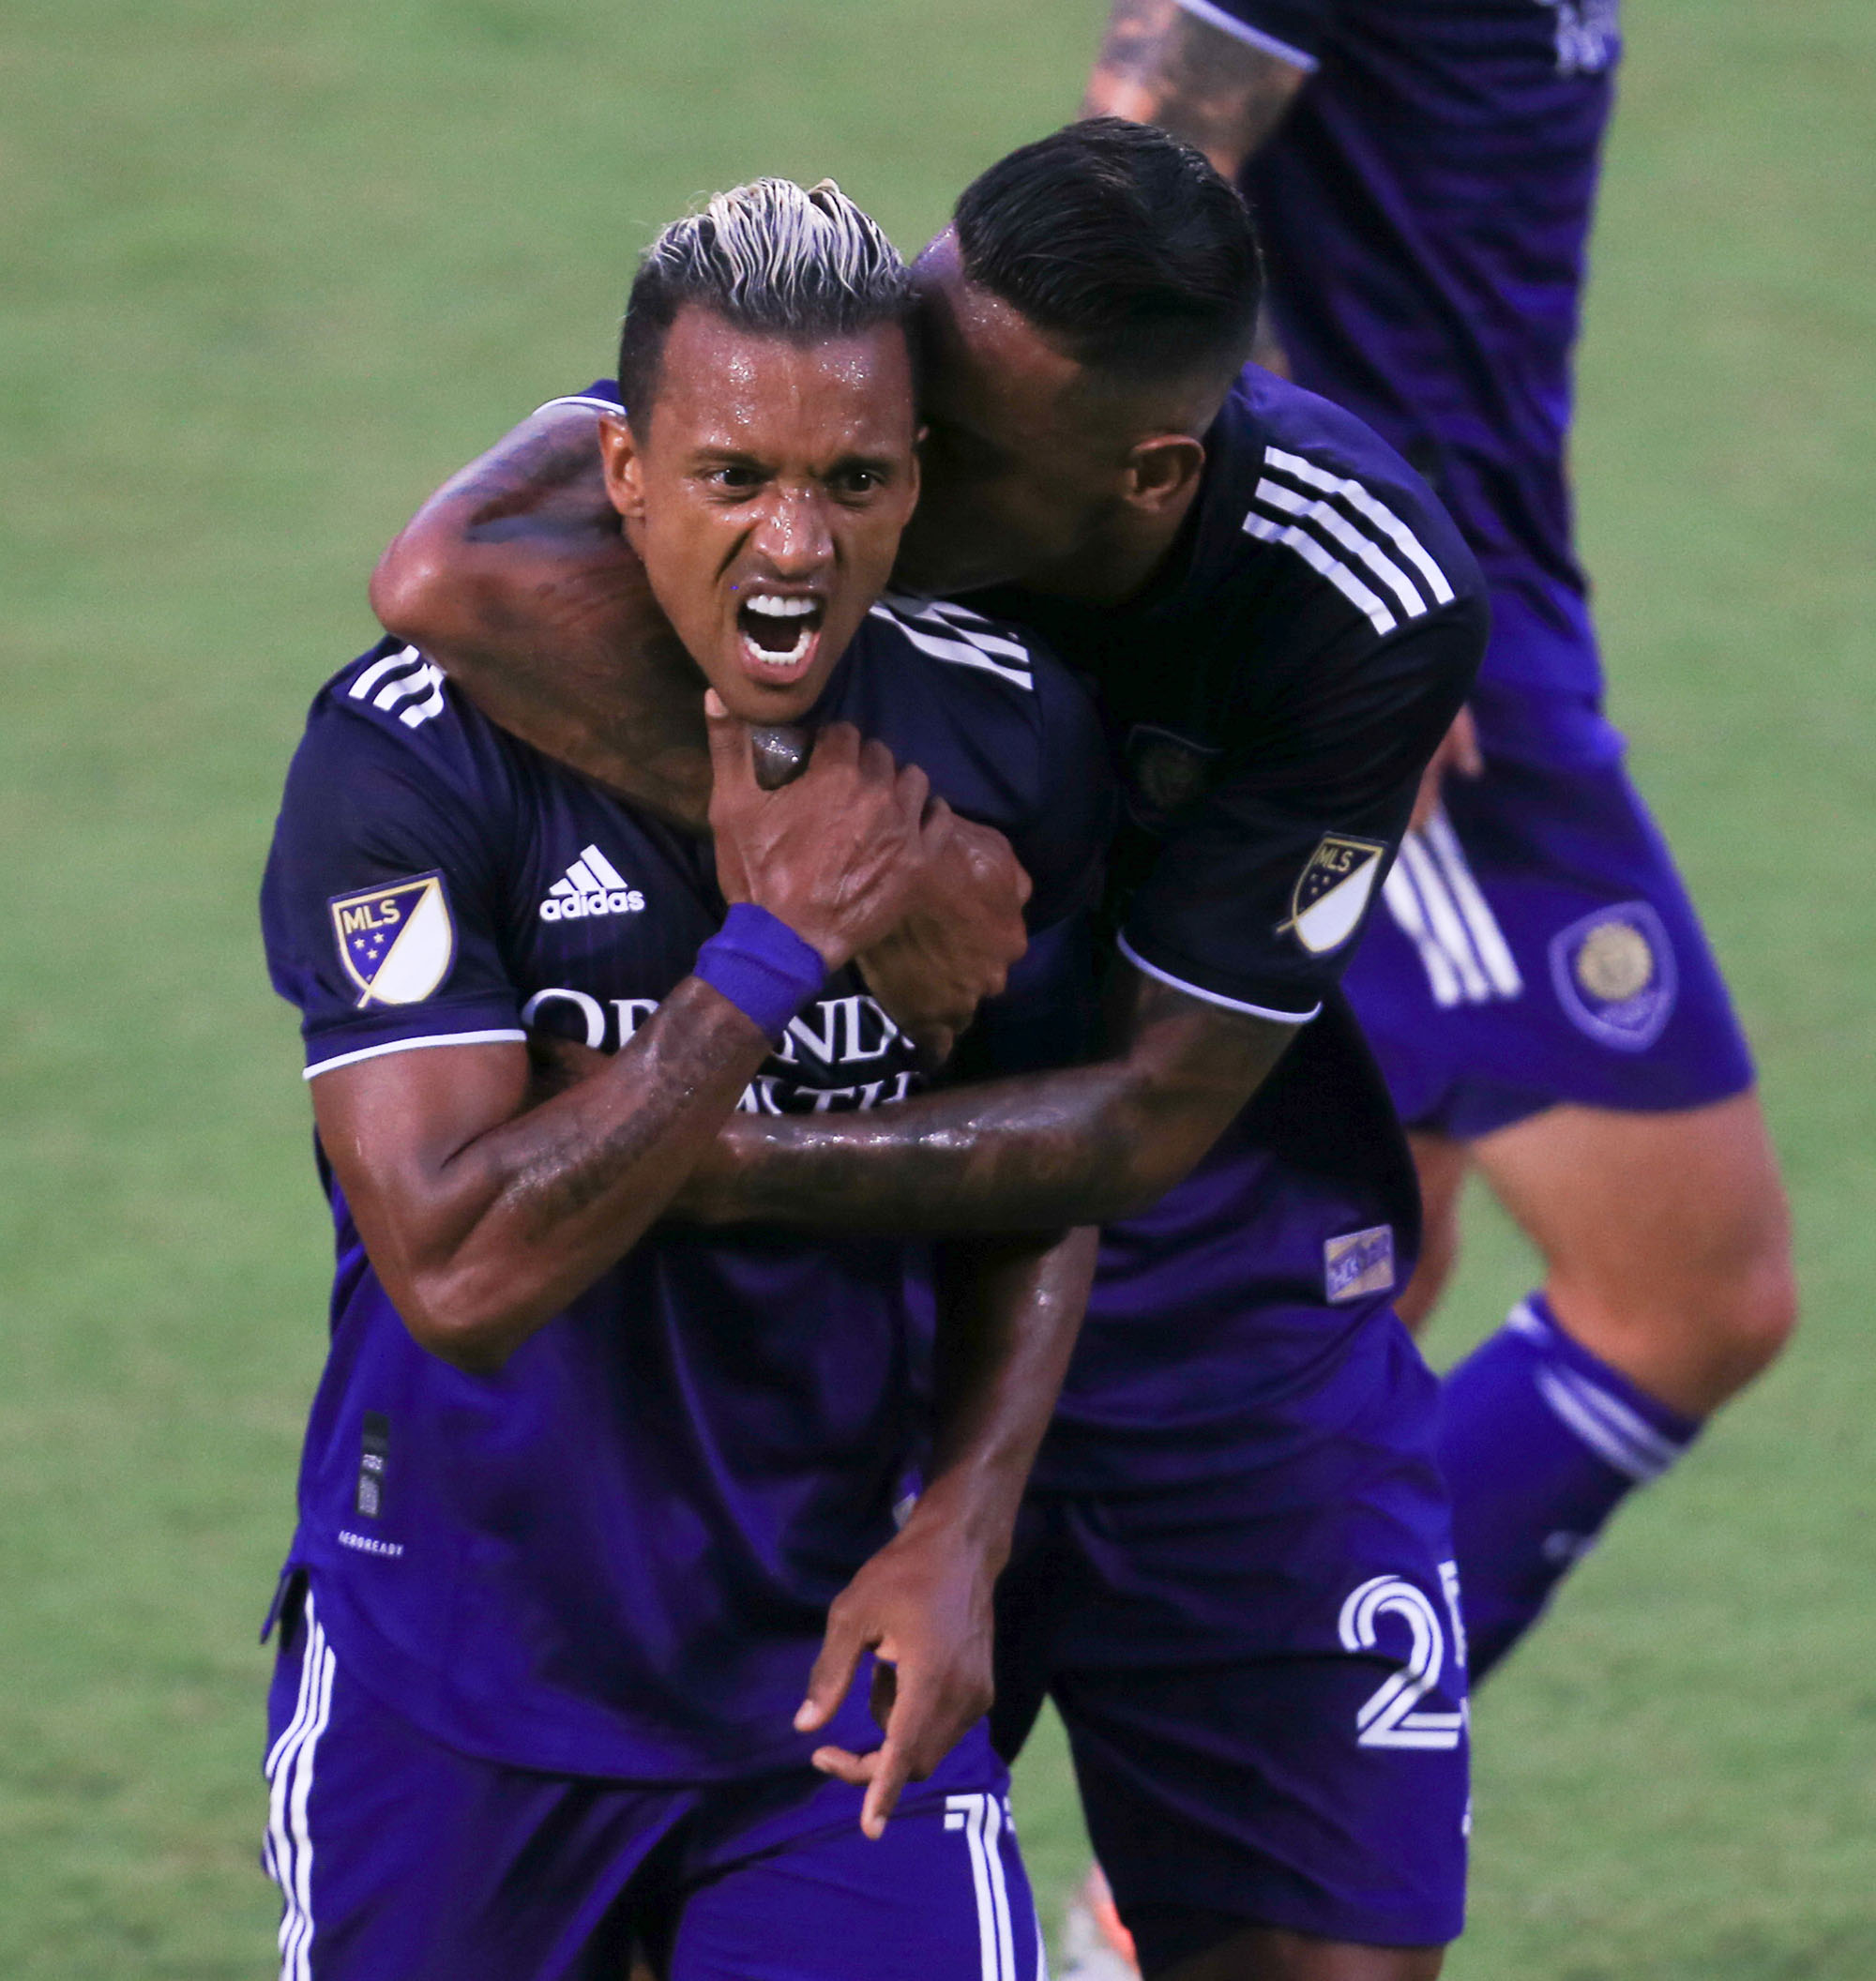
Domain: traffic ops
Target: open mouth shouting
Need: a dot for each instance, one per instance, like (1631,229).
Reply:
(778,632)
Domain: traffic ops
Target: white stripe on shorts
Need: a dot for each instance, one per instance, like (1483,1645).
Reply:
(980,1819)
(290,1771)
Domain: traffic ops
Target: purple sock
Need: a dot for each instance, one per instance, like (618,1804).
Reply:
(1540,1442)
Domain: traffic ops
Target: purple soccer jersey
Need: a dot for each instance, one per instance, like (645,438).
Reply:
(1272,696)
(1425,208)
(614,1555)
(1273,693)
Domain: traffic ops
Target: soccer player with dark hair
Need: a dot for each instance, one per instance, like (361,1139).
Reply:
(579,1486)
(1539,991)
(1234,1567)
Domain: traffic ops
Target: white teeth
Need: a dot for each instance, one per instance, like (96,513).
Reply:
(792,658)
(770,607)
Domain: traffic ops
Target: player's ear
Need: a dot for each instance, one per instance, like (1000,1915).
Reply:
(624,465)
(1161,471)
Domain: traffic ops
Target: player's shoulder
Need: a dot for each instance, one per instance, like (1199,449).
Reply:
(953,668)
(392,712)
(954,645)
(1305,486)
(1003,729)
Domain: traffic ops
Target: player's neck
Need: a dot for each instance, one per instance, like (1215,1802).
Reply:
(1120,556)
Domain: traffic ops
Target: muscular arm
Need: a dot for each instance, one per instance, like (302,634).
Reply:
(1081,1146)
(1159,64)
(485,1216)
(514,577)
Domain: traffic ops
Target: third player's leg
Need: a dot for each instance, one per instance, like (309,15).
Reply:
(1665,1239)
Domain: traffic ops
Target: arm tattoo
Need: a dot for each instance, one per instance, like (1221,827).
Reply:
(1162,65)
(1041,1150)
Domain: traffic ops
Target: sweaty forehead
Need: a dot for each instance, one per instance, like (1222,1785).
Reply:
(721,385)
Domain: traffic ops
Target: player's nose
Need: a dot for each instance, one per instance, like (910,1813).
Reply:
(793,538)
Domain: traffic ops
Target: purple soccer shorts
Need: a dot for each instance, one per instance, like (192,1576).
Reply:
(1263,1680)
(398,1859)
(1535,946)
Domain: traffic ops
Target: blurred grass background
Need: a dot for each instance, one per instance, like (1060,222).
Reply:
(265,276)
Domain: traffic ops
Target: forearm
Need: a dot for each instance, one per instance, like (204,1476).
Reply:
(1159,64)
(1009,1310)
(1042,1151)
(515,578)
(1036,1153)
(525,1216)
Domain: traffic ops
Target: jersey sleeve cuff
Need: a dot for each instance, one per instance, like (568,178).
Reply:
(1214,997)
(1238,30)
(327,1061)
(591,401)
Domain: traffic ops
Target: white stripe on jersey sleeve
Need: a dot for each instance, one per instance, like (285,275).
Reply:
(589,400)
(1378,513)
(1211,997)
(1307,509)
(1333,568)
(964,650)
(974,625)
(409,657)
(415,1045)
(1243,31)
(432,705)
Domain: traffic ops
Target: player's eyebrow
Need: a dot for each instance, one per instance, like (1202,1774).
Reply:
(880,464)
(717,454)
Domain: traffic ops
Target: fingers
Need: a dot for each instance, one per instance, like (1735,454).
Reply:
(919,1733)
(915,793)
(882,1792)
(839,1656)
(732,760)
(882,1773)
(838,747)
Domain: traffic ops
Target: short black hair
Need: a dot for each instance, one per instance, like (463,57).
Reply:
(771,257)
(1121,243)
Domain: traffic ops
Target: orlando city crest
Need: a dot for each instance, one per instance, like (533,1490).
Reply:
(1164,772)
(1332,891)
(1615,976)
(397,942)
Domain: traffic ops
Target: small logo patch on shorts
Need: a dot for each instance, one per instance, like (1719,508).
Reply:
(1614,976)
(1359,1263)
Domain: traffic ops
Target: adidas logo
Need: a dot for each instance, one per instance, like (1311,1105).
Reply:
(592,886)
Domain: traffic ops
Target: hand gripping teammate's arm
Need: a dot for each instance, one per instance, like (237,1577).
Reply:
(485,1214)
(1219,968)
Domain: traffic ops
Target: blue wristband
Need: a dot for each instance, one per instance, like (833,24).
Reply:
(762,966)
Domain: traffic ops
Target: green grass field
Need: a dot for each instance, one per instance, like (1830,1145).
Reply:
(265,275)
